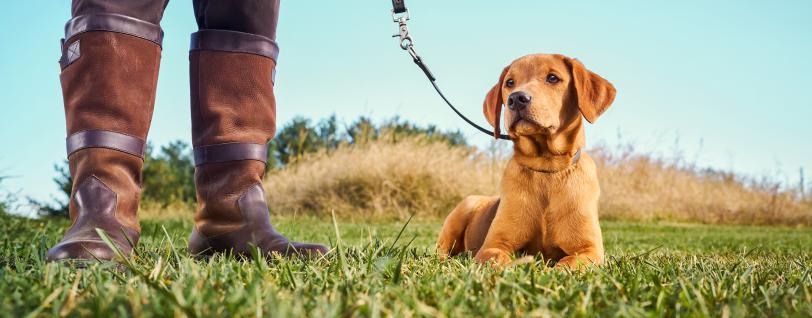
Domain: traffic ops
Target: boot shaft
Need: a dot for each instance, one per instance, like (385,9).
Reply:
(233,118)
(109,75)
(231,78)
(109,89)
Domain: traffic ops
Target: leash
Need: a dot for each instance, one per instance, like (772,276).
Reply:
(400,15)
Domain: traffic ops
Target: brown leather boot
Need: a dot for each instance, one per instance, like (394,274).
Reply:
(109,72)
(233,119)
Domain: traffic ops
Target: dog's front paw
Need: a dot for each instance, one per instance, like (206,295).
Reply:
(494,256)
(575,263)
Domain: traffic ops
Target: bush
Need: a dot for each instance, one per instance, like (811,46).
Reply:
(383,177)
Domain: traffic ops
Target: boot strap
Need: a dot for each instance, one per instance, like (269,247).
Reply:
(230,152)
(106,139)
(234,41)
(118,23)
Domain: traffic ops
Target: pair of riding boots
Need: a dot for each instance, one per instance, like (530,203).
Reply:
(109,73)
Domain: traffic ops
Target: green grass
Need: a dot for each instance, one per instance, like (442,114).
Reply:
(653,270)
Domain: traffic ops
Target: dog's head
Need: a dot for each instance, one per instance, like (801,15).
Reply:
(545,94)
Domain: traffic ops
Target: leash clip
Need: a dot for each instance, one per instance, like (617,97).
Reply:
(403,29)
(400,15)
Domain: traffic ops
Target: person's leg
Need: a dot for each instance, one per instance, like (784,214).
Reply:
(258,17)
(232,61)
(110,57)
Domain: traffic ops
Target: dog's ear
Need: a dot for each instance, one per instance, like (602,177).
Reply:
(595,94)
(492,107)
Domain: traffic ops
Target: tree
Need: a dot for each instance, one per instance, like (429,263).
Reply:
(300,137)
(169,176)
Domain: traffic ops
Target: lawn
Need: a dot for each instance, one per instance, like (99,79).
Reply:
(653,270)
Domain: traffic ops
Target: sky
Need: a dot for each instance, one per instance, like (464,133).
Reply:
(726,83)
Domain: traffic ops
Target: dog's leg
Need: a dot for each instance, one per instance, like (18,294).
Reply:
(509,232)
(452,237)
(584,249)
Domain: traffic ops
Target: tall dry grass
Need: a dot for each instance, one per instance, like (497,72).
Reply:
(645,187)
(382,178)
(427,178)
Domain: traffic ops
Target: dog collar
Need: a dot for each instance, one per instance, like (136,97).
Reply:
(575,159)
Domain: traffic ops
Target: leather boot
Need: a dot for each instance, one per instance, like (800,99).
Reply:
(109,73)
(233,119)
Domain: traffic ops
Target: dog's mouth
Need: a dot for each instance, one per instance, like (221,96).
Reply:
(522,120)
(525,126)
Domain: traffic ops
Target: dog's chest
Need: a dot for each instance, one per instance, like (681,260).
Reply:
(546,204)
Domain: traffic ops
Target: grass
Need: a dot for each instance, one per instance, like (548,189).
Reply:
(653,270)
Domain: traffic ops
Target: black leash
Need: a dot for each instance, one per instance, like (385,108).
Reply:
(400,15)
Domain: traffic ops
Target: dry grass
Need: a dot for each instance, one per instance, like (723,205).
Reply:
(383,179)
(414,176)
(643,187)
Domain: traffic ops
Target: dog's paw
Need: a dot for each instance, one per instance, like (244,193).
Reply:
(443,250)
(442,255)
(574,263)
(493,256)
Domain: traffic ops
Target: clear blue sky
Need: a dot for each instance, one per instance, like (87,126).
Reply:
(729,79)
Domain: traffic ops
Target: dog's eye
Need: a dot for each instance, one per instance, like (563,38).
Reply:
(510,83)
(552,79)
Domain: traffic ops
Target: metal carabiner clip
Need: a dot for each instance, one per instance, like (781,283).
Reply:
(403,29)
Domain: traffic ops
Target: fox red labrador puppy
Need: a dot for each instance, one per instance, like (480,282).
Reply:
(549,191)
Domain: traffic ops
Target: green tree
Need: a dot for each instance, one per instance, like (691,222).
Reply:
(300,137)
(362,131)
(169,176)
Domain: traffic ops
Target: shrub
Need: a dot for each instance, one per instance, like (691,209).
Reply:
(384,178)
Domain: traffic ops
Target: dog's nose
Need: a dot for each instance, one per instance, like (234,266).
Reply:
(518,100)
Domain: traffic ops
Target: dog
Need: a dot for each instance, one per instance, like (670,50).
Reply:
(549,190)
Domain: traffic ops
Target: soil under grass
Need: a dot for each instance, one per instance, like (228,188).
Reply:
(653,270)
